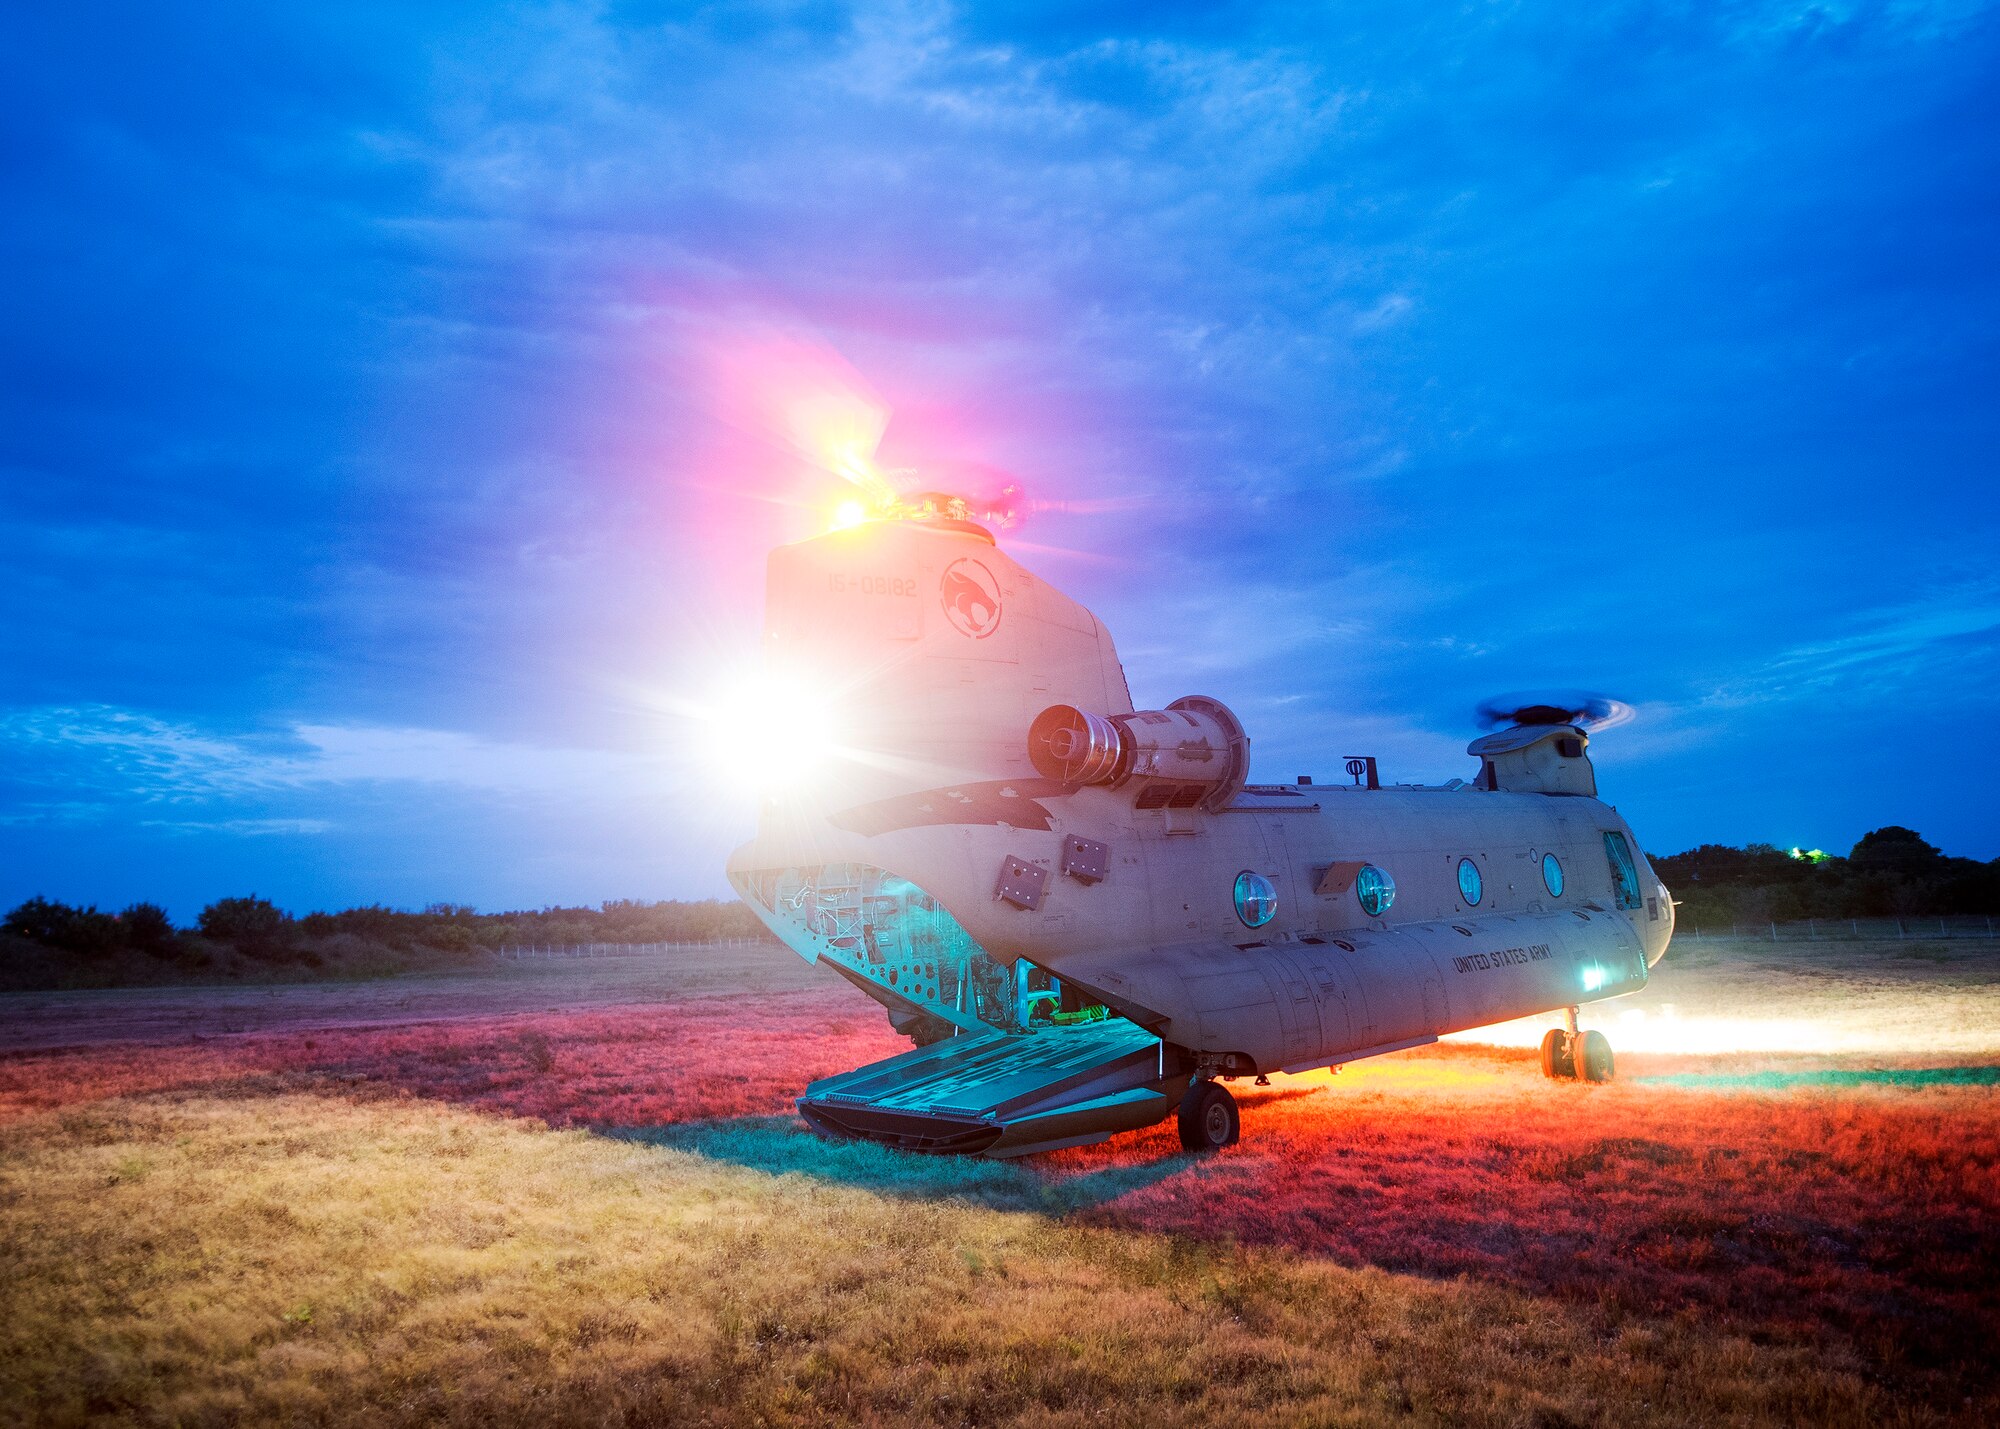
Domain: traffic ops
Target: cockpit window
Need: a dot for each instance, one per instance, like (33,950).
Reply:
(1624,873)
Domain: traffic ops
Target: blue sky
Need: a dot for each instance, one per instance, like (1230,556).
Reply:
(362,498)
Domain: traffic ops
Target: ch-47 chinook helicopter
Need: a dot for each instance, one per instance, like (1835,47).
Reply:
(1085,917)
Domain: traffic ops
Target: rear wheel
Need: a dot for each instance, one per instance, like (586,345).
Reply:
(1558,1054)
(1596,1057)
(1208,1119)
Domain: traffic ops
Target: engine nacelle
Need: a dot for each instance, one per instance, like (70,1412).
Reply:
(1191,755)
(1536,759)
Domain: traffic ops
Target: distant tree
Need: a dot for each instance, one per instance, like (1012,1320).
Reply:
(253,924)
(1713,864)
(1893,872)
(58,925)
(1969,887)
(375,922)
(39,919)
(147,928)
(1896,850)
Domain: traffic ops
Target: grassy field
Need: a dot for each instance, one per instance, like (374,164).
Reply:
(578,1195)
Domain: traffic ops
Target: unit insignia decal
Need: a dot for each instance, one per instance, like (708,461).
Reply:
(971,598)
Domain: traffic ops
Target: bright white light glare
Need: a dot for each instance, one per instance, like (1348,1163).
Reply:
(768,730)
(1593,978)
(848,514)
(1967,1024)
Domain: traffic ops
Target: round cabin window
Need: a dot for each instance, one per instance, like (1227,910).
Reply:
(1552,874)
(1470,885)
(1376,890)
(1256,899)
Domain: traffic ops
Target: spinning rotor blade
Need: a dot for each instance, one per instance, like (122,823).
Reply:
(1577,707)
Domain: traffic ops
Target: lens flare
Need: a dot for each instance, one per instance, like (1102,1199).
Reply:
(787,386)
(768,730)
(1960,1026)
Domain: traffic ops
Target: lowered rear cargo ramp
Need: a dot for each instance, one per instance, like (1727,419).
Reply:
(1004,1093)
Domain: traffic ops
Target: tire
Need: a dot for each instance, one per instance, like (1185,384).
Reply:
(1597,1066)
(1208,1119)
(1558,1054)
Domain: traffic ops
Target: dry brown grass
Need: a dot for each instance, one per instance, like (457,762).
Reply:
(298,1257)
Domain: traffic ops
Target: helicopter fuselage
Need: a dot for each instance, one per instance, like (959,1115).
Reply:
(1012,848)
(1159,938)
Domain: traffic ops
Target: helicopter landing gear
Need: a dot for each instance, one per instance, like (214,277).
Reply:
(1566,1052)
(1558,1054)
(1208,1119)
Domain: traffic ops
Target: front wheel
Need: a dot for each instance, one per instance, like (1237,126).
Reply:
(1558,1054)
(1596,1058)
(1208,1119)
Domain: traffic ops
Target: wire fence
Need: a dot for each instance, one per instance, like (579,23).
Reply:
(551,952)
(1814,930)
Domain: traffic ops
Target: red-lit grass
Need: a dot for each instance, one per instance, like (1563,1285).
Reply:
(1866,1216)
(1873,1211)
(698,1059)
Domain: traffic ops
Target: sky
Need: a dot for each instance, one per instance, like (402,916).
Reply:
(372,483)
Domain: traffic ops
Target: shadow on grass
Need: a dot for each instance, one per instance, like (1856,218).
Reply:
(779,1145)
(1781,1081)
(1251,1098)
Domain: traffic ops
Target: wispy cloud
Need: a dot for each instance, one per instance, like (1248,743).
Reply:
(127,758)
(1944,650)
(135,755)
(240,828)
(1918,660)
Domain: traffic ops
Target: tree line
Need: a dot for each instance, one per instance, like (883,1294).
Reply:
(257,928)
(1892,872)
